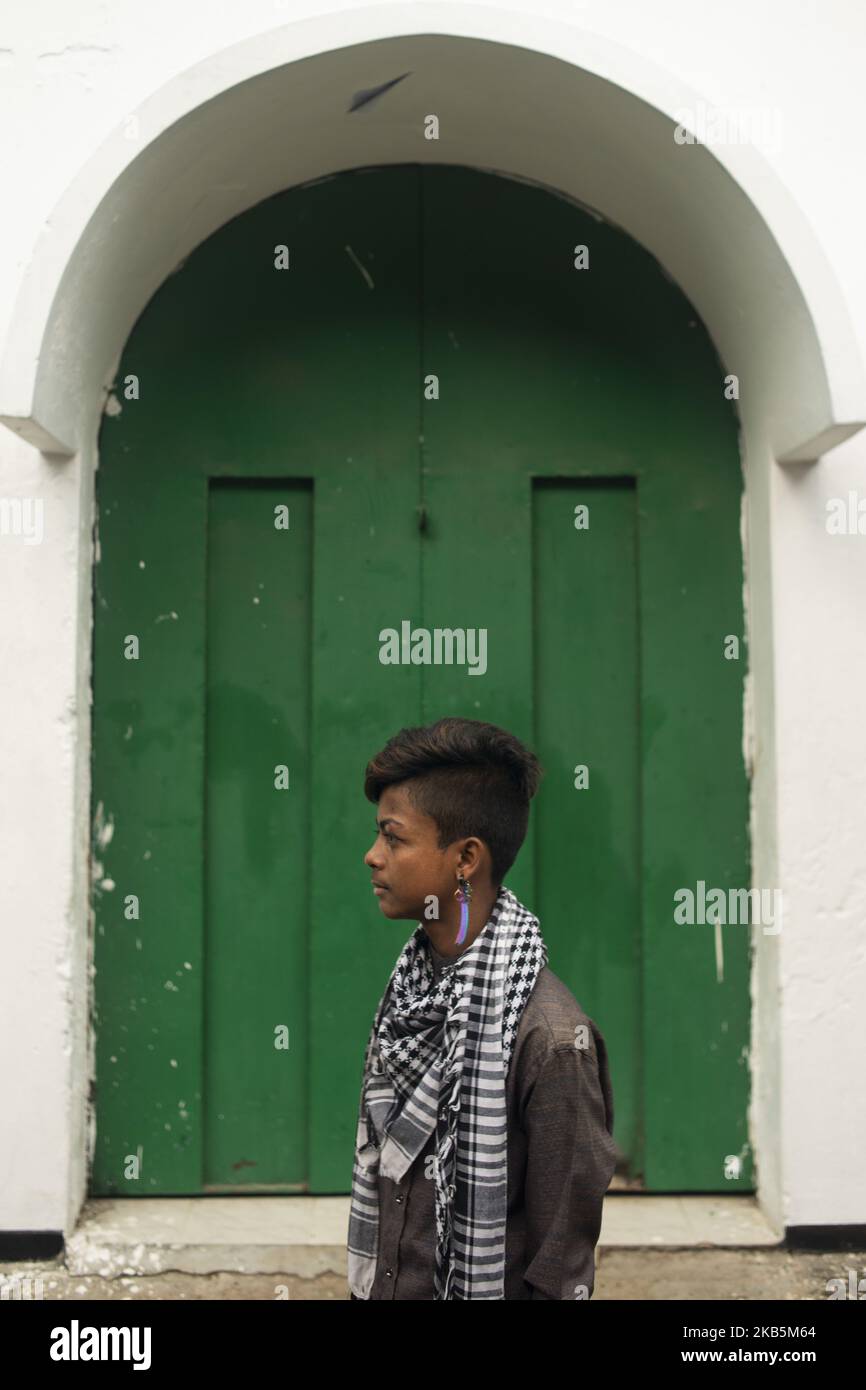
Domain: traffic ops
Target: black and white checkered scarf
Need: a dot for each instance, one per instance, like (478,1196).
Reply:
(438,1056)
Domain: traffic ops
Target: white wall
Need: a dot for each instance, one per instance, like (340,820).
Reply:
(69,76)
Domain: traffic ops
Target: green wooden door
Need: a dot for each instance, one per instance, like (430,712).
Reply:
(465,432)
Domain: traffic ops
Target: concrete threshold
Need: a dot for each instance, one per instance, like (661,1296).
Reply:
(306,1236)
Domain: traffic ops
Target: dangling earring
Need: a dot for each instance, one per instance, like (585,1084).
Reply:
(464,893)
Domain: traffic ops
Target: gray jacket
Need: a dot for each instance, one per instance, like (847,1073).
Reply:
(561,1158)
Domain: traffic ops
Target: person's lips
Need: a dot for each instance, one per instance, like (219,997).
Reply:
(379,887)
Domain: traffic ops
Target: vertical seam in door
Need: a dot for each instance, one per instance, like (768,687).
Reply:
(422,534)
(205,829)
(641,1155)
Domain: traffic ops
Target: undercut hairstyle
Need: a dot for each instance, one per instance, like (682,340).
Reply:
(471,778)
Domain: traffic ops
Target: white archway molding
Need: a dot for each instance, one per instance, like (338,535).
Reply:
(575,112)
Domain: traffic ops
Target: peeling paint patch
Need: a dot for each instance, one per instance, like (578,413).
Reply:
(75,50)
(163,616)
(103,832)
(101,884)
(363,269)
(103,828)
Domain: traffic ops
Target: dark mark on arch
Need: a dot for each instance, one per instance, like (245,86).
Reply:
(363,98)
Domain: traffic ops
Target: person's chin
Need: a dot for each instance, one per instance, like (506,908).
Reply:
(389,906)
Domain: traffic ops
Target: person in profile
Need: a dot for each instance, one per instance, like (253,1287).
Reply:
(485,1143)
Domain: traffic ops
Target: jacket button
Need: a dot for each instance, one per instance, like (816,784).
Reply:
(398,1198)
(389,1273)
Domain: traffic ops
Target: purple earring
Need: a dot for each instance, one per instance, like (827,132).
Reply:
(464,893)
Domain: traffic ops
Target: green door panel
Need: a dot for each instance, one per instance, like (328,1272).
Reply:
(587,827)
(257,844)
(148,780)
(226,908)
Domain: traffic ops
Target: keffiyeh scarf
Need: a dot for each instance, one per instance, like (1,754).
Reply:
(437,1058)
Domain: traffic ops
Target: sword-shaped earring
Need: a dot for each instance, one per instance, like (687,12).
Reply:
(464,893)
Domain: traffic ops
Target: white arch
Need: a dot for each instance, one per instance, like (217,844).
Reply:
(571,110)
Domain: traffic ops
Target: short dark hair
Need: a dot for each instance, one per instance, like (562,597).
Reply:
(471,778)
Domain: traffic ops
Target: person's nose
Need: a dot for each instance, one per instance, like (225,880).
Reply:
(370,856)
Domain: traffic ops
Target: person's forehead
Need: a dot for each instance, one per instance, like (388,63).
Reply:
(395,802)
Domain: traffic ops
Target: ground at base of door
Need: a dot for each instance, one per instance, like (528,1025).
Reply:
(652,1275)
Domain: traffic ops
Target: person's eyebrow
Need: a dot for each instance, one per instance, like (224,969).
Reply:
(388,820)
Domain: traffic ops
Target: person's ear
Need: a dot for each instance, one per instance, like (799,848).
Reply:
(470,856)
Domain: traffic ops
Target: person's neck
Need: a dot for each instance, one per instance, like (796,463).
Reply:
(442,935)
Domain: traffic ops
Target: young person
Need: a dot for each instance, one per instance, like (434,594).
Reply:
(485,1131)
